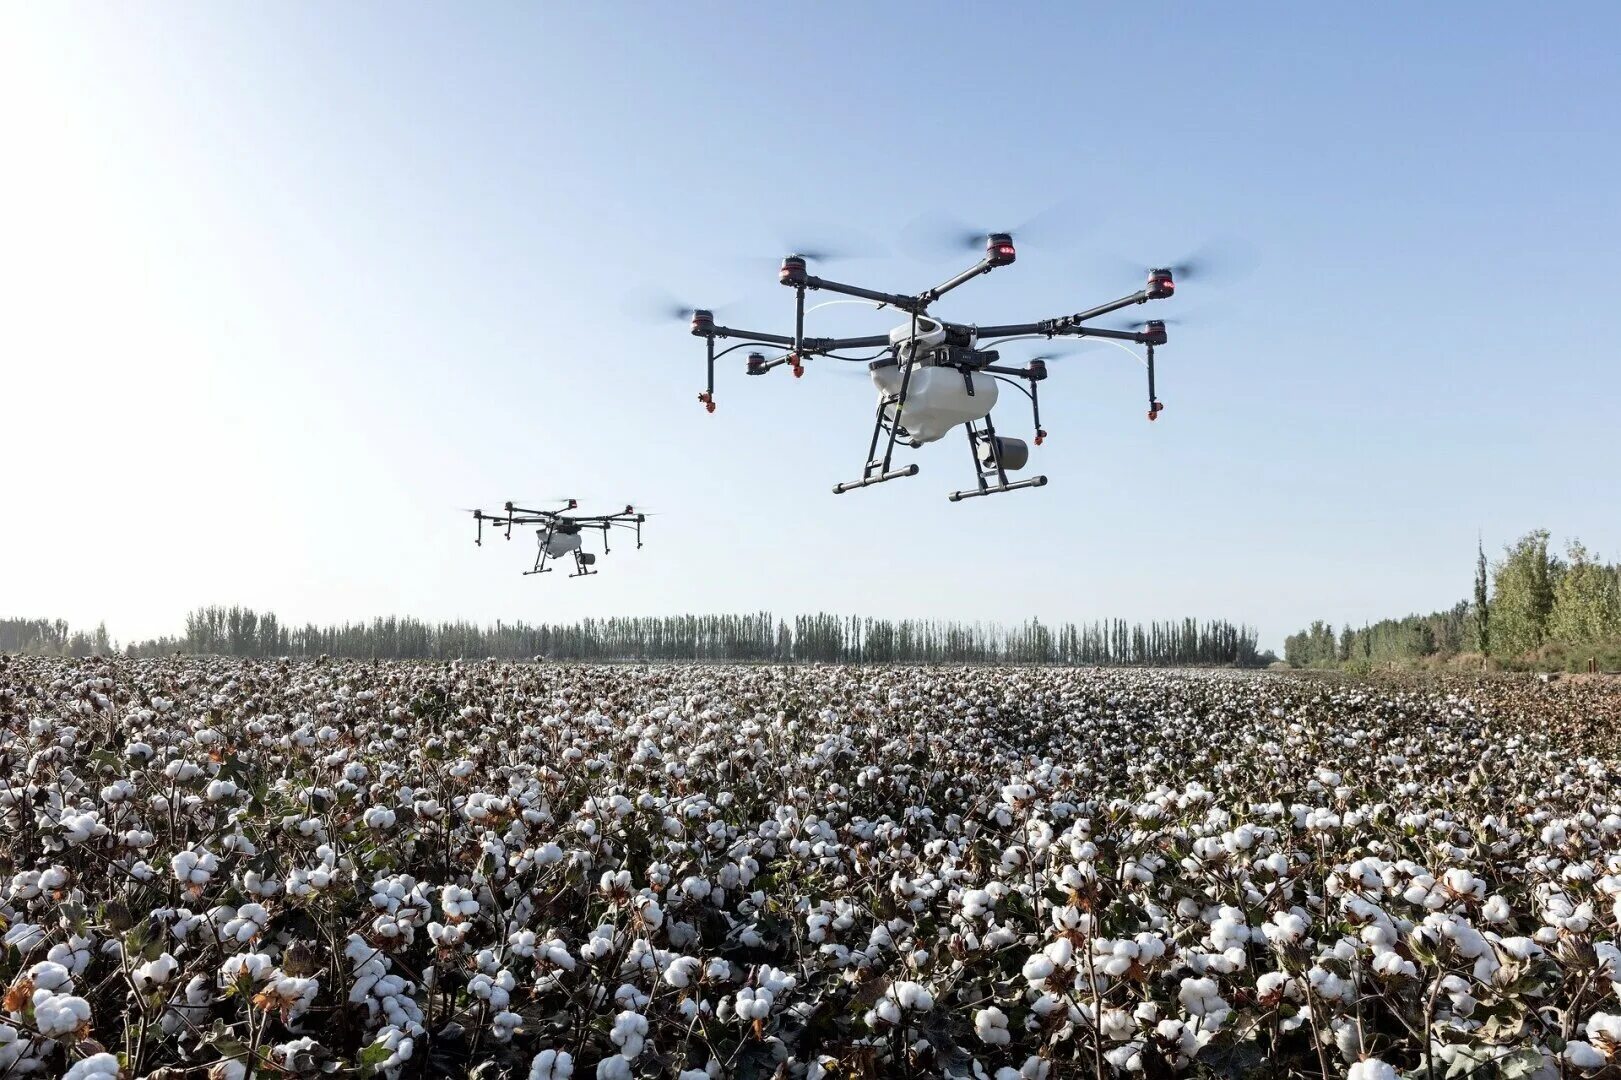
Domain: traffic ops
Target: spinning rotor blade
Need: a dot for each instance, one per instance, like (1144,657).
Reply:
(1064,354)
(1139,327)
(827,243)
(657,306)
(934,237)
(1225,260)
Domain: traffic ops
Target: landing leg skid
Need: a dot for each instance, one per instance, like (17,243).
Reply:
(542,535)
(992,477)
(879,470)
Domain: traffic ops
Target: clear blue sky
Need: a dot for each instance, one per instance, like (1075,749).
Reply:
(282,286)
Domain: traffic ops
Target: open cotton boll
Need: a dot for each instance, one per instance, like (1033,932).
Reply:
(101,1066)
(551,1065)
(1583,1055)
(628,1033)
(911,996)
(60,1015)
(155,973)
(990,1024)
(1371,1069)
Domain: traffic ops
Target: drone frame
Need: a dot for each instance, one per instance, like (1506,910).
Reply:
(962,339)
(558,521)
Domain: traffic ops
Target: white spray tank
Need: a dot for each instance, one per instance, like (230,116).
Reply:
(937,398)
(561,543)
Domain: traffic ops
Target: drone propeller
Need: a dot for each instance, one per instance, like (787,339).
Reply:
(1139,327)
(825,243)
(658,306)
(1227,259)
(934,237)
(1075,348)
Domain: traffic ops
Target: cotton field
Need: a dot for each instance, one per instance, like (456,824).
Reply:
(217,868)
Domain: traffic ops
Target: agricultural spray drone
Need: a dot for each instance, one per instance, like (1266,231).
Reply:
(559,533)
(933,375)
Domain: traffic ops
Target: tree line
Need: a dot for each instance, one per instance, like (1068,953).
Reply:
(1531,608)
(819,638)
(51,637)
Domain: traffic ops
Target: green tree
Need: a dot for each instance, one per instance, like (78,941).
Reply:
(1523,595)
(1586,599)
(1482,613)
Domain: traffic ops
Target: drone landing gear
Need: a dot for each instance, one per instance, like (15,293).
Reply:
(878,470)
(870,478)
(989,468)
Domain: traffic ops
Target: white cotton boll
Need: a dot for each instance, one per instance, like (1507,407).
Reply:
(74,954)
(57,1015)
(378,817)
(1392,965)
(682,972)
(1200,997)
(155,973)
(78,828)
(754,1004)
(248,922)
(1520,948)
(49,975)
(1285,928)
(95,1067)
(250,967)
(194,868)
(990,1024)
(24,937)
(885,1010)
(629,1031)
(1124,1058)
(1496,910)
(1270,987)
(504,1025)
(1117,1025)
(458,903)
(1371,1069)
(1229,934)
(1604,1029)
(649,912)
(911,995)
(1038,969)
(552,1065)
(613,1067)
(1582,1055)
(977,902)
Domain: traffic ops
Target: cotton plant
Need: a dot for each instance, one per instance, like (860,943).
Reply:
(669,871)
